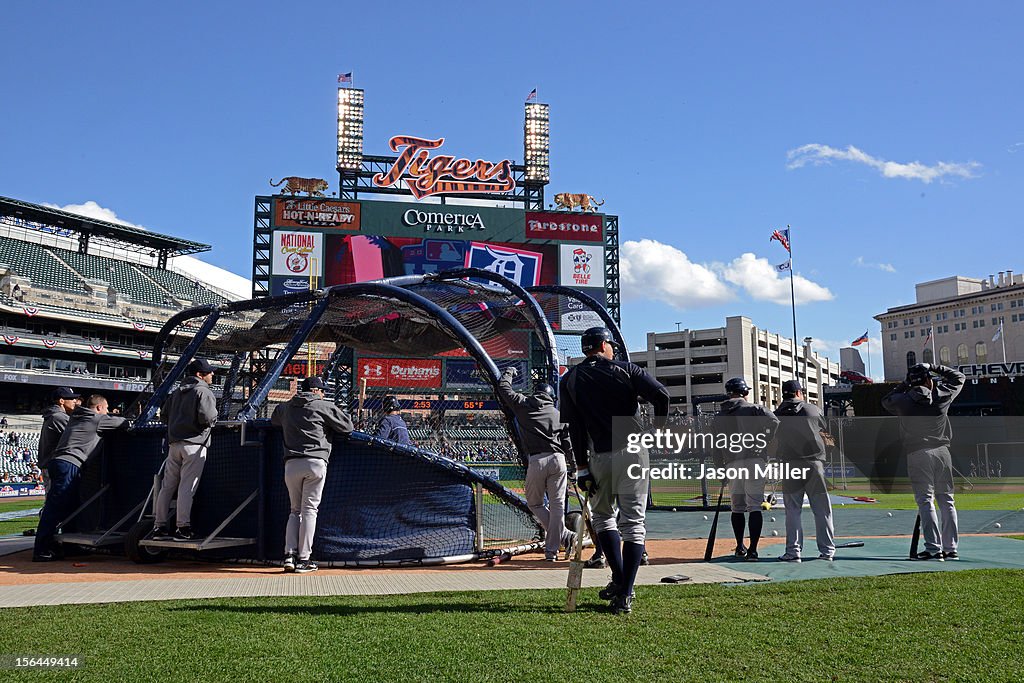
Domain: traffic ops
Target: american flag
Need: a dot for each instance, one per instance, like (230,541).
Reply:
(532,97)
(345,78)
(782,236)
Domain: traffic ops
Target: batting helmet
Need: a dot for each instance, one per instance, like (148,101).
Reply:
(594,337)
(737,385)
(391,403)
(545,389)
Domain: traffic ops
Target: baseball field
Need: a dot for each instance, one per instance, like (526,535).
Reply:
(955,626)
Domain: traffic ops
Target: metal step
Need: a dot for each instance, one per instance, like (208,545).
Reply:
(93,540)
(198,544)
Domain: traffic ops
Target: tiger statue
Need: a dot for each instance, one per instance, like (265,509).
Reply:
(585,202)
(313,187)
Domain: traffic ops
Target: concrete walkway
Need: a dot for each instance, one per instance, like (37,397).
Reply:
(342,582)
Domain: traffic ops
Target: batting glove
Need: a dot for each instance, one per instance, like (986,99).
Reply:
(512,371)
(586,481)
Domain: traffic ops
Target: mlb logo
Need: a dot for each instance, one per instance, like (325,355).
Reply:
(518,265)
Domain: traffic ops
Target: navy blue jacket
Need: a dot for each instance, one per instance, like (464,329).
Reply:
(393,428)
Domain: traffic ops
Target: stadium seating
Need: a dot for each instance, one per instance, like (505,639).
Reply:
(120,274)
(32,261)
(182,287)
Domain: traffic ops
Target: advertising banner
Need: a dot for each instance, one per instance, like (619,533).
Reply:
(575,227)
(295,253)
(444,221)
(316,213)
(465,374)
(509,345)
(580,321)
(400,372)
(281,284)
(519,265)
(581,265)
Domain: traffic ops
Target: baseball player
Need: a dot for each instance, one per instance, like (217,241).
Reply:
(393,427)
(547,443)
(799,440)
(80,441)
(592,395)
(308,424)
(190,413)
(922,402)
(737,416)
(55,420)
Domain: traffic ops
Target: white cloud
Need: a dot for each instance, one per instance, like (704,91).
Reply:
(816,155)
(204,272)
(1015,147)
(861,263)
(653,270)
(763,281)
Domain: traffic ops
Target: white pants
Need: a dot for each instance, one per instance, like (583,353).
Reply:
(304,478)
(931,477)
(546,474)
(747,493)
(821,506)
(182,471)
(611,473)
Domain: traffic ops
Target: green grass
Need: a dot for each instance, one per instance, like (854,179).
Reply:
(950,626)
(16,526)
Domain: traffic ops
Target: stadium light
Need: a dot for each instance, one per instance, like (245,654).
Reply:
(350,128)
(536,143)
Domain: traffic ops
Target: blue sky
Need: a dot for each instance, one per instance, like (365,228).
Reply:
(890,138)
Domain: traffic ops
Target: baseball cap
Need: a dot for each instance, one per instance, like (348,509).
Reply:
(63,392)
(311,383)
(200,365)
(791,386)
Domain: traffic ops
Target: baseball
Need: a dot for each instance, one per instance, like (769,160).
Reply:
(998,525)
(673,509)
(705,516)
(775,533)
(888,514)
(773,519)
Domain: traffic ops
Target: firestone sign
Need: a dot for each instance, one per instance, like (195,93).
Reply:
(442,174)
(563,226)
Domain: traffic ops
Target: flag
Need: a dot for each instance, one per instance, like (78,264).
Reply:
(345,78)
(783,237)
(862,339)
(532,97)
(142,354)
(999,332)
(30,310)
(11,339)
(928,338)
(785,265)
(139,326)
(50,343)
(96,348)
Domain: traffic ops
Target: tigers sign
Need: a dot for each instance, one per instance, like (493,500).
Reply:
(442,174)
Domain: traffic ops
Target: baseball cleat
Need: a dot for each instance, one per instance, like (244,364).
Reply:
(160,533)
(184,533)
(951,555)
(306,566)
(644,560)
(622,604)
(928,556)
(596,562)
(752,555)
(741,551)
(289,563)
(789,558)
(827,558)
(610,592)
(550,558)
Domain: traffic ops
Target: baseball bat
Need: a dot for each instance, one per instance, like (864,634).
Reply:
(851,544)
(575,579)
(915,538)
(709,551)
(498,559)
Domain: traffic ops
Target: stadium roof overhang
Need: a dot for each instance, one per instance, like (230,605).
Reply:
(137,238)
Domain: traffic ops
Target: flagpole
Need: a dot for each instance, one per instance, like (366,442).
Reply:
(792,301)
(868,342)
(935,356)
(1002,340)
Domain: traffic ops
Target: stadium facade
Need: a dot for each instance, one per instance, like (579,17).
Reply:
(695,364)
(81,301)
(976,324)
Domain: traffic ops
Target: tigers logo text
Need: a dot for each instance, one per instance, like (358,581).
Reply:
(442,174)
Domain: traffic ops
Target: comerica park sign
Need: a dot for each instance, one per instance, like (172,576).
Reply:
(442,174)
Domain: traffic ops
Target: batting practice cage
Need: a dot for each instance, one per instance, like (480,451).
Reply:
(433,345)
